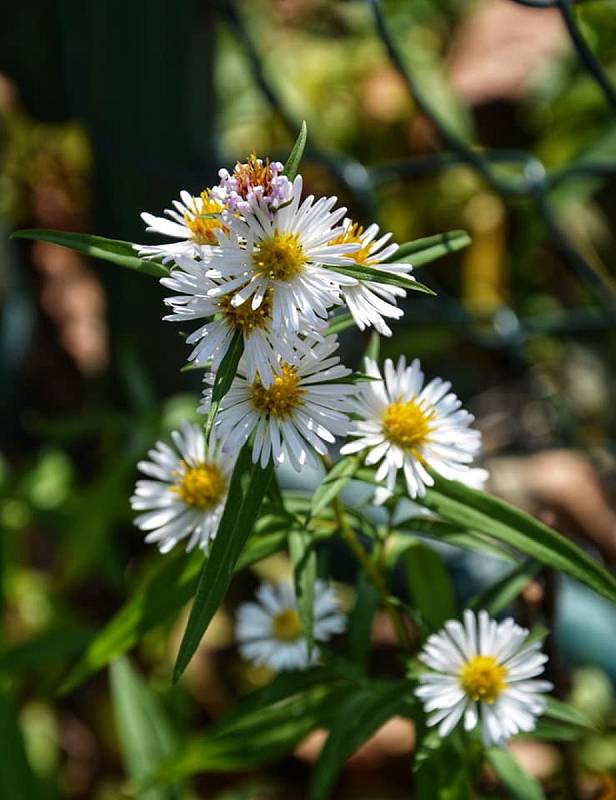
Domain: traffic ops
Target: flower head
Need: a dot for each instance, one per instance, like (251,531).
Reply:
(194,221)
(298,414)
(186,490)
(269,631)
(483,670)
(369,301)
(406,425)
(285,255)
(255,183)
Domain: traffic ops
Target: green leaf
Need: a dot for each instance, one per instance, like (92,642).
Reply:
(304,559)
(357,718)
(333,483)
(563,712)
(50,646)
(497,597)
(422,251)
(116,252)
(361,618)
(224,377)
(251,736)
(517,782)
(291,166)
(248,486)
(17,780)
(379,276)
(338,324)
(162,595)
(144,734)
(479,511)
(455,535)
(429,584)
(374,346)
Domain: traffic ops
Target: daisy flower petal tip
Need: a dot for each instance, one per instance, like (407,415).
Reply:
(269,631)
(371,302)
(293,419)
(184,492)
(405,424)
(485,672)
(194,222)
(288,253)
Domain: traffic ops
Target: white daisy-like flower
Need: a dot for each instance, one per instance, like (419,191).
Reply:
(269,632)
(302,411)
(368,301)
(263,348)
(186,489)
(483,671)
(256,182)
(406,425)
(193,221)
(285,253)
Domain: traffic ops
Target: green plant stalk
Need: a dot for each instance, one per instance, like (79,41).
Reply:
(349,537)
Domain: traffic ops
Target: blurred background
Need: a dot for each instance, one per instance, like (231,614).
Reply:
(494,116)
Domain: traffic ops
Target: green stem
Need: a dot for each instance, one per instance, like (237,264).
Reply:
(374,575)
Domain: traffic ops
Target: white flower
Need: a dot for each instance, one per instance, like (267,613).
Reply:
(262,348)
(186,491)
(302,410)
(483,671)
(287,254)
(406,425)
(269,632)
(255,183)
(192,220)
(369,301)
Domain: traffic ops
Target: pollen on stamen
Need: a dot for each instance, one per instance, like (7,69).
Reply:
(201,486)
(280,399)
(244,317)
(281,257)
(407,424)
(286,625)
(199,221)
(483,678)
(352,234)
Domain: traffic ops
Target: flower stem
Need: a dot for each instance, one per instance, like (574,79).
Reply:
(351,540)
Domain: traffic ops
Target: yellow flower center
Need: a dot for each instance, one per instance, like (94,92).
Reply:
(286,625)
(282,397)
(200,223)
(482,678)
(202,486)
(244,317)
(352,235)
(252,174)
(407,424)
(280,257)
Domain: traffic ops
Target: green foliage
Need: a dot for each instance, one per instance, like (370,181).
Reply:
(361,618)
(430,248)
(497,597)
(517,782)
(292,163)
(224,377)
(122,254)
(17,780)
(246,491)
(429,584)
(369,274)
(304,559)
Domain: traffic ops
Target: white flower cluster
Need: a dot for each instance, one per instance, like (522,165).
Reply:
(251,257)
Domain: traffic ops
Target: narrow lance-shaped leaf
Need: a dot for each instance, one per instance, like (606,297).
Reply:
(339,323)
(422,251)
(517,782)
(224,377)
(479,511)
(144,733)
(361,619)
(429,584)
(357,718)
(333,483)
(113,250)
(291,166)
(248,486)
(379,276)
(501,594)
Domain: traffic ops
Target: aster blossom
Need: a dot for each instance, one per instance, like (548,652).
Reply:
(298,415)
(184,493)
(193,222)
(286,253)
(368,301)
(483,671)
(269,631)
(406,425)
(254,183)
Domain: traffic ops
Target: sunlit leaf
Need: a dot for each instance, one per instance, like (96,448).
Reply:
(497,597)
(423,251)
(379,276)
(292,163)
(333,483)
(116,252)
(224,377)
(518,783)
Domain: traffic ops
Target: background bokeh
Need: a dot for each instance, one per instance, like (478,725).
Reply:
(108,109)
